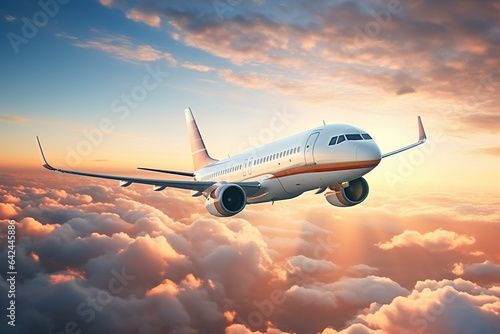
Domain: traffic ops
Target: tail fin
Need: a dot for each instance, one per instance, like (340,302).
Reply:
(201,158)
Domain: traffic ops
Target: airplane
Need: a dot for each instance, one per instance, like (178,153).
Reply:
(330,158)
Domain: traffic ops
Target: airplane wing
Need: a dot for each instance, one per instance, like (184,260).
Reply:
(422,137)
(249,187)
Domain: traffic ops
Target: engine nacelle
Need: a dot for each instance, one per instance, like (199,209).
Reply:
(226,200)
(355,193)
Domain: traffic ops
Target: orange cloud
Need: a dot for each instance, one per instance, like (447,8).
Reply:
(483,122)
(30,227)
(166,287)
(437,241)
(7,210)
(12,119)
(77,273)
(241,329)
(308,91)
(123,49)
(494,151)
(458,269)
(35,256)
(106,2)
(139,16)
(198,273)
(60,278)
(229,315)
(192,282)
(8,198)
(197,67)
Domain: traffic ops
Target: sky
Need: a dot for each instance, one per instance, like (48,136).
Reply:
(104,85)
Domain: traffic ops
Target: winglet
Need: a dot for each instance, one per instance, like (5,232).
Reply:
(422,137)
(44,161)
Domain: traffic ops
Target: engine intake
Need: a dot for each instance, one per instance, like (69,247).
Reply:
(226,200)
(355,193)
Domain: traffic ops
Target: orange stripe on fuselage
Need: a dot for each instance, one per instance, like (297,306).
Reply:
(327,167)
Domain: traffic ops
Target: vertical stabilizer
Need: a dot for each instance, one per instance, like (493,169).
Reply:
(198,149)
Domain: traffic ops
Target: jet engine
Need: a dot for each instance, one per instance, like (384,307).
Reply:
(226,200)
(348,193)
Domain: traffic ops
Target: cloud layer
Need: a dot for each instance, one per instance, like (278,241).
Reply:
(107,259)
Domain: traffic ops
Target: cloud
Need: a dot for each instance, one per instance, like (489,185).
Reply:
(494,151)
(311,93)
(9,18)
(353,291)
(437,241)
(327,49)
(353,329)
(458,269)
(106,2)
(363,269)
(121,249)
(436,306)
(241,329)
(131,259)
(405,90)
(197,67)
(66,35)
(12,119)
(301,264)
(138,16)
(480,270)
(30,227)
(124,49)
(7,210)
(478,121)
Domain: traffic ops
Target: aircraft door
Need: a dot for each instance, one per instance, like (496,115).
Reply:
(245,167)
(250,166)
(309,149)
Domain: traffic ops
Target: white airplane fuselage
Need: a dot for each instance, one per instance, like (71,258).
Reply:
(303,162)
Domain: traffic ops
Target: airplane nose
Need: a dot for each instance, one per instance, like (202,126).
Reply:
(368,151)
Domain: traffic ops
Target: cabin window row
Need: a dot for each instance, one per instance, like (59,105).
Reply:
(275,156)
(268,158)
(223,172)
(356,136)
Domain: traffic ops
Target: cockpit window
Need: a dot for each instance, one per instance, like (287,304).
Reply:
(366,136)
(354,137)
(333,140)
(341,139)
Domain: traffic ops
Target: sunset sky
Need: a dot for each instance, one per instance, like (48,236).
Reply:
(104,85)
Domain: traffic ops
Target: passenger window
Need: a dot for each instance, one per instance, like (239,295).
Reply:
(341,139)
(298,149)
(354,137)
(366,136)
(333,140)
